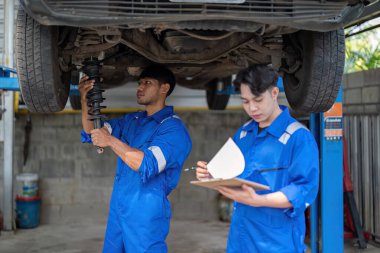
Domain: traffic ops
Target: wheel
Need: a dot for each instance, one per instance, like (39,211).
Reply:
(314,86)
(75,102)
(43,85)
(215,99)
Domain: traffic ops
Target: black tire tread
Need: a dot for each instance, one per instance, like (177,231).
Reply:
(75,102)
(39,75)
(330,50)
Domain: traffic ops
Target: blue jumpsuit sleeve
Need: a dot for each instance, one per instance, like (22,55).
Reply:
(303,174)
(85,137)
(168,150)
(115,124)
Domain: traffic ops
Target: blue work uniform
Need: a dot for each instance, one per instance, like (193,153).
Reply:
(140,212)
(283,156)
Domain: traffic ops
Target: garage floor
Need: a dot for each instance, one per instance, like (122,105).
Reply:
(185,237)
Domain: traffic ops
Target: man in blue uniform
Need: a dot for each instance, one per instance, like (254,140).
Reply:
(151,147)
(279,152)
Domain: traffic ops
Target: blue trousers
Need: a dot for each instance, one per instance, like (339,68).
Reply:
(137,220)
(258,230)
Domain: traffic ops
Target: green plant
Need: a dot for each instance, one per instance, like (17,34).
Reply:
(363,51)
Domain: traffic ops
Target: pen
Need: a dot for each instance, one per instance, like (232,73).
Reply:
(191,168)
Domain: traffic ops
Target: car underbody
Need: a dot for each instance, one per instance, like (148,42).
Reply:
(200,42)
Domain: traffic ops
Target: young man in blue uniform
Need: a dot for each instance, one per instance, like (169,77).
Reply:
(279,152)
(151,147)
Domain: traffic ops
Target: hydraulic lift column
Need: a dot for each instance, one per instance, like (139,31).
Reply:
(328,130)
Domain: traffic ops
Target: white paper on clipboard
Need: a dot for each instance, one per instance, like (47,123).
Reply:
(228,162)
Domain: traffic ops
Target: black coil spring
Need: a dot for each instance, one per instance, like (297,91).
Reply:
(92,67)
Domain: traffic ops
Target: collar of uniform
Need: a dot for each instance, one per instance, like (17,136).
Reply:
(162,114)
(279,125)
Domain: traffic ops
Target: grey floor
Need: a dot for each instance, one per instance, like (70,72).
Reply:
(185,237)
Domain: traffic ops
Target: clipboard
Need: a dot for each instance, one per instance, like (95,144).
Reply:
(231,182)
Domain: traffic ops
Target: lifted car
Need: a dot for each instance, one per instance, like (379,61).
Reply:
(204,42)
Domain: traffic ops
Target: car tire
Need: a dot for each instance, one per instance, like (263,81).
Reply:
(315,85)
(215,100)
(75,102)
(44,87)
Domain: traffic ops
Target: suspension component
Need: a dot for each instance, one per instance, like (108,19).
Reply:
(88,37)
(92,67)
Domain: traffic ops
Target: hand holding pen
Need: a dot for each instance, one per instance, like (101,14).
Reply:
(202,172)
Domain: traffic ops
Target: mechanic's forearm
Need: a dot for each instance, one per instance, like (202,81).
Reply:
(275,199)
(88,125)
(131,156)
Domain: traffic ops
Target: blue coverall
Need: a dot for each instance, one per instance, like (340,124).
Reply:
(283,156)
(140,212)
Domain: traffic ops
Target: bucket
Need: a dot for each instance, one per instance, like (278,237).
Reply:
(27,185)
(28,212)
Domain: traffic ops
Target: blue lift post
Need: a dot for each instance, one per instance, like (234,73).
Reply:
(6,81)
(314,208)
(328,130)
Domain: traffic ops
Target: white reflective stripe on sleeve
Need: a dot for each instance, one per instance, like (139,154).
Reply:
(294,127)
(173,116)
(291,129)
(108,126)
(157,153)
(284,138)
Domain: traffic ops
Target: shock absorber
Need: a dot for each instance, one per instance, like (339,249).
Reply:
(92,67)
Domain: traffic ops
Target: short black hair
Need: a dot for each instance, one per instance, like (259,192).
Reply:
(258,77)
(161,73)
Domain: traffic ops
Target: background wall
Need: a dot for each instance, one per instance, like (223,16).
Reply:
(361,92)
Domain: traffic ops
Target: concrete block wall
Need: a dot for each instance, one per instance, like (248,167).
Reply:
(208,130)
(361,92)
(76,183)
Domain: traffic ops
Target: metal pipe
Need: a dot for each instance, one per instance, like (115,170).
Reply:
(8,121)
(9,17)
(8,118)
